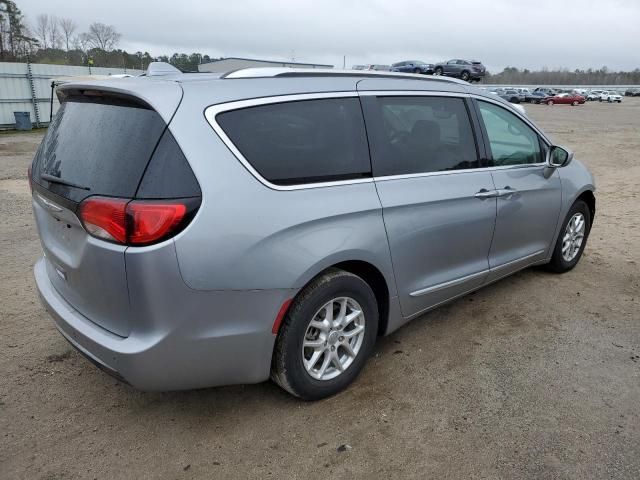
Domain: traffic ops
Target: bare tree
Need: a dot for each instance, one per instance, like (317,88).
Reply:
(68,28)
(41,30)
(55,37)
(104,37)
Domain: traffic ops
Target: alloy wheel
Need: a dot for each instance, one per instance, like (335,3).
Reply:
(333,338)
(573,237)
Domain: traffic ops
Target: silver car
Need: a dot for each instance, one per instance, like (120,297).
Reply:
(207,229)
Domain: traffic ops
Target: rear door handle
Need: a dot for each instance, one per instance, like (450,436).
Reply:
(506,191)
(484,193)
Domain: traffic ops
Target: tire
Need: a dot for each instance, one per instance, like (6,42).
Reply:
(550,103)
(288,369)
(559,263)
(465,76)
(575,103)
(600,100)
(438,71)
(416,70)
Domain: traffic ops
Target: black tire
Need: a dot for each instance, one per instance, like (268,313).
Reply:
(416,70)
(465,76)
(438,71)
(287,368)
(558,264)
(550,102)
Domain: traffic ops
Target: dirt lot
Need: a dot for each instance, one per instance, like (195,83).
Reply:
(537,376)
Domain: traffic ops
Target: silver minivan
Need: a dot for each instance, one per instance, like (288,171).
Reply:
(207,229)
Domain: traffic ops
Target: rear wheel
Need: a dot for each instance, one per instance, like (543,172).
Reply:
(326,337)
(416,70)
(465,76)
(550,102)
(572,238)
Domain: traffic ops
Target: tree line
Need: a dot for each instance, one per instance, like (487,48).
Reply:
(601,76)
(58,40)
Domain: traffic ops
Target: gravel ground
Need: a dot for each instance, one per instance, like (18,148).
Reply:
(536,376)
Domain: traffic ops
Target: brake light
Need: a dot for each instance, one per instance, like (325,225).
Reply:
(151,221)
(134,222)
(105,218)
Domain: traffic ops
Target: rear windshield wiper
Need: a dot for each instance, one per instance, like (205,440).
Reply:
(54,179)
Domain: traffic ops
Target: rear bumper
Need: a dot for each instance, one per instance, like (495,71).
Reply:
(229,342)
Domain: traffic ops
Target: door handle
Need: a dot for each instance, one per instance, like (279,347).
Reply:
(506,191)
(484,193)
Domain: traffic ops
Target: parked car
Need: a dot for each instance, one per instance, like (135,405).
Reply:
(565,99)
(593,95)
(413,66)
(308,236)
(511,95)
(536,97)
(546,90)
(467,70)
(632,92)
(610,96)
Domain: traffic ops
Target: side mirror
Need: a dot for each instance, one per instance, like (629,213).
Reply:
(559,157)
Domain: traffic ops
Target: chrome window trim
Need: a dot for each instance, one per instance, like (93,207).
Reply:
(454,172)
(212,111)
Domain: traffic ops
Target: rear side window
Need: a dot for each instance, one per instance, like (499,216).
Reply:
(301,142)
(420,134)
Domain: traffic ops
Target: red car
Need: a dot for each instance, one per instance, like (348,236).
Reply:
(565,98)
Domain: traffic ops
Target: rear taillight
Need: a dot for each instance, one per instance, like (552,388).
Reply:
(135,222)
(151,221)
(105,218)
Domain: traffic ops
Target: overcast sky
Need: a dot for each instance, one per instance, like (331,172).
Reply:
(521,33)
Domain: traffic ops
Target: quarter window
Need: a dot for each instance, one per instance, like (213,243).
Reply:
(511,140)
(300,142)
(420,134)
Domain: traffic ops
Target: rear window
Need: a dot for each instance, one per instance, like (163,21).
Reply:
(301,142)
(97,147)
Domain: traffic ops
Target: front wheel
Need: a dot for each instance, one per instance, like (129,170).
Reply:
(550,102)
(438,71)
(572,238)
(575,103)
(326,337)
(465,76)
(416,70)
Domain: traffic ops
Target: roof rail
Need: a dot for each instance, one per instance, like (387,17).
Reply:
(271,72)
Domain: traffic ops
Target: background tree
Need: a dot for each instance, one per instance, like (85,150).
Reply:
(103,37)
(41,30)
(15,38)
(68,28)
